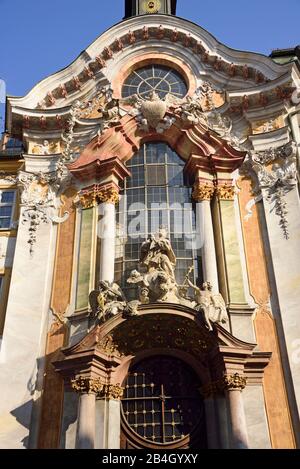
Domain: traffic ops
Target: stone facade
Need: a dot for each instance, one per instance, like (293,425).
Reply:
(65,357)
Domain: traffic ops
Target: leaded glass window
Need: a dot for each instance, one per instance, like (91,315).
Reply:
(155,196)
(158,78)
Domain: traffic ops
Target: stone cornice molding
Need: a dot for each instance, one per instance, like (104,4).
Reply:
(248,74)
(95,168)
(130,33)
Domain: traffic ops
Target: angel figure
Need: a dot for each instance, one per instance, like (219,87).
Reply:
(107,301)
(211,304)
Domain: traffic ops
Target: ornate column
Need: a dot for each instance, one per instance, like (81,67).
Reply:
(105,193)
(86,426)
(275,176)
(108,196)
(89,367)
(109,416)
(203,194)
(105,416)
(234,384)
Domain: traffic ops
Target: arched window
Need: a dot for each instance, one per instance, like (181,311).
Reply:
(155,196)
(162,404)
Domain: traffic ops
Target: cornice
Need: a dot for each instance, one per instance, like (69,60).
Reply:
(93,65)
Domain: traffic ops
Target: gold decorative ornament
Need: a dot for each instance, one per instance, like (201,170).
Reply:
(225,192)
(151,6)
(236,381)
(84,385)
(112,391)
(203,191)
(228,382)
(108,346)
(95,196)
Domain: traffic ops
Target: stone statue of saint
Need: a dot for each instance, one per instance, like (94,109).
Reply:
(211,304)
(157,254)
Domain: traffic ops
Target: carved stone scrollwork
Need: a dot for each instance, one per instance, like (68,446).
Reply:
(225,192)
(203,191)
(108,346)
(8,178)
(277,180)
(39,197)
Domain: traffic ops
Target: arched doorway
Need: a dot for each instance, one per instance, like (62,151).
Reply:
(162,406)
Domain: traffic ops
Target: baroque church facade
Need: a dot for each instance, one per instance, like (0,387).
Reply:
(150,245)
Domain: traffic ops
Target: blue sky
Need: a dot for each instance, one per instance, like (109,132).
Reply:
(38,37)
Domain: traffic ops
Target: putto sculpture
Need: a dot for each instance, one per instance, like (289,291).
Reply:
(156,283)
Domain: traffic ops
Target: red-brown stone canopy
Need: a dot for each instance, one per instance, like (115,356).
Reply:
(122,141)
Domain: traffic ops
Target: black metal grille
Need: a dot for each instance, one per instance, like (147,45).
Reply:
(162,402)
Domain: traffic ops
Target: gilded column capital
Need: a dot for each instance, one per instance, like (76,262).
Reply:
(227,383)
(225,191)
(203,191)
(109,195)
(234,382)
(99,194)
(84,385)
(112,391)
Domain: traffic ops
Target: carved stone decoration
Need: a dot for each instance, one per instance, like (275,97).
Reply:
(151,113)
(225,192)
(108,346)
(45,148)
(211,305)
(156,278)
(203,191)
(111,391)
(157,283)
(91,198)
(85,385)
(235,382)
(277,181)
(8,178)
(227,383)
(39,197)
(108,301)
